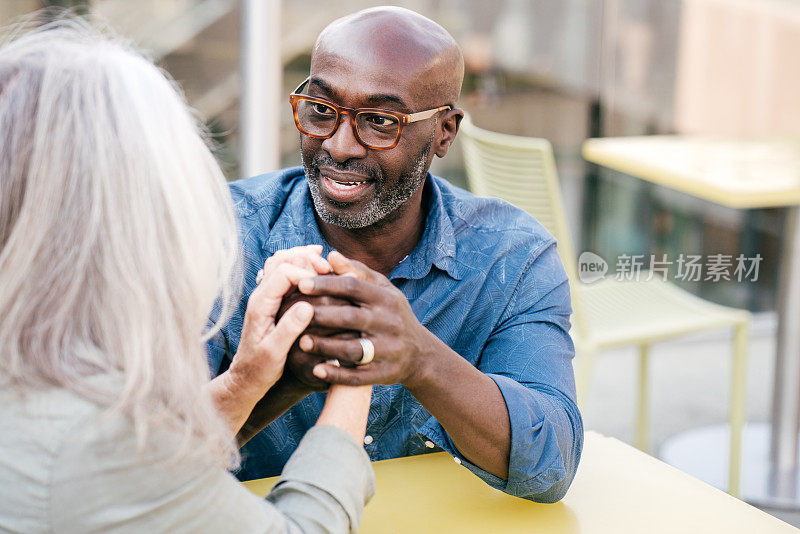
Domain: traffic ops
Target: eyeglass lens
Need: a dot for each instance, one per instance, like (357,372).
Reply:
(374,129)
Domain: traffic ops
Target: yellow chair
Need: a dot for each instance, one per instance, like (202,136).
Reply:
(608,313)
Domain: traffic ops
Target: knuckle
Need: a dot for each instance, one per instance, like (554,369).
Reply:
(394,297)
(275,258)
(349,314)
(251,313)
(293,325)
(299,260)
(394,346)
(395,324)
(349,284)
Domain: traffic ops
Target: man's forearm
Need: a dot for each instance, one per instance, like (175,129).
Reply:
(282,396)
(468,404)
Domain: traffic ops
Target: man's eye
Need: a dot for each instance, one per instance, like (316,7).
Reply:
(381,120)
(322,109)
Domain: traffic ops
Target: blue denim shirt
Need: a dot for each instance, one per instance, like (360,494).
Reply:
(486,279)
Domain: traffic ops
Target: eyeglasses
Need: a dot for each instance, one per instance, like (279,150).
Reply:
(378,129)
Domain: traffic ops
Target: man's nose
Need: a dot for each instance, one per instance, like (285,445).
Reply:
(343,145)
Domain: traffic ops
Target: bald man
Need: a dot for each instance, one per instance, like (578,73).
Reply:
(456,307)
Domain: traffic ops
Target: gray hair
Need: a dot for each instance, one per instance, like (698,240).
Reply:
(117,231)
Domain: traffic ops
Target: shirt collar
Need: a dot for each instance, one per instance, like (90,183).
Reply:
(437,246)
(297,226)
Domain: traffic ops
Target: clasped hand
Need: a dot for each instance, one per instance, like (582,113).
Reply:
(328,304)
(265,339)
(355,300)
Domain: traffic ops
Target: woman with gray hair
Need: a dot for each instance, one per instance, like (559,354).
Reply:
(117,236)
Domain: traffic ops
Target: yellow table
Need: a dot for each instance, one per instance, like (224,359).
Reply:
(739,174)
(617,490)
(734,173)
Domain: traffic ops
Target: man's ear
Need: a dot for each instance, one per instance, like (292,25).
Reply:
(449,128)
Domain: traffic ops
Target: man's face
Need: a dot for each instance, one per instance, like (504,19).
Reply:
(353,186)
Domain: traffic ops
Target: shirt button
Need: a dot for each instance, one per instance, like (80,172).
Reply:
(367,440)
(457,460)
(429,444)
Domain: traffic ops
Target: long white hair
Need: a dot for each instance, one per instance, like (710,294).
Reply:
(117,231)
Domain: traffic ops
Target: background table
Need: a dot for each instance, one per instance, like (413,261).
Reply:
(617,490)
(738,174)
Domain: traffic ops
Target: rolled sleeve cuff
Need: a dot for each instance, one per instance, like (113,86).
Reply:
(535,462)
(329,459)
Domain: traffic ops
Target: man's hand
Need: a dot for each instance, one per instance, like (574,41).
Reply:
(300,364)
(384,316)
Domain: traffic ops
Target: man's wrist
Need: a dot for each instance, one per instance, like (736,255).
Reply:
(423,374)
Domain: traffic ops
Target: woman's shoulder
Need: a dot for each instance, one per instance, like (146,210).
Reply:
(81,466)
(36,419)
(41,419)
(34,424)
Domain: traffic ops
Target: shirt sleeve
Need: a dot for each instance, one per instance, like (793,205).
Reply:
(326,483)
(216,351)
(101,483)
(529,356)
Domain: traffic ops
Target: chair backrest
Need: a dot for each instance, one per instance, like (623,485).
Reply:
(522,171)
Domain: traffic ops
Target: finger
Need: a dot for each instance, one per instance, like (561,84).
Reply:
(265,301)
(279,281)
(282,337)
(347,267)
(300,258)
(321,265)
(359,376)
(344,266)
(342,318)
(305,256)
(348,350)
(284,256)
(271,344)
(309,250)
(318,263)
(326,300)
(347,287)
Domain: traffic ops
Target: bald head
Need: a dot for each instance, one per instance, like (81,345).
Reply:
(393,42)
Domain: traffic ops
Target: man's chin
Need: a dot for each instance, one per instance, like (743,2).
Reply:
(350,212)
(343,218)
(342,214)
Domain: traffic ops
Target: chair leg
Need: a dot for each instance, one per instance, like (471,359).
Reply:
(584,363)
(642,408)
(737,408)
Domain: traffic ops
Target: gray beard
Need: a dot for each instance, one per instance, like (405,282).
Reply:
(381,205)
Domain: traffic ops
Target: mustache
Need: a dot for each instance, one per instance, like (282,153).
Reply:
(351,165)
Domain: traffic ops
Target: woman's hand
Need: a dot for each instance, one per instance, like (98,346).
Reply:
(261,355)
